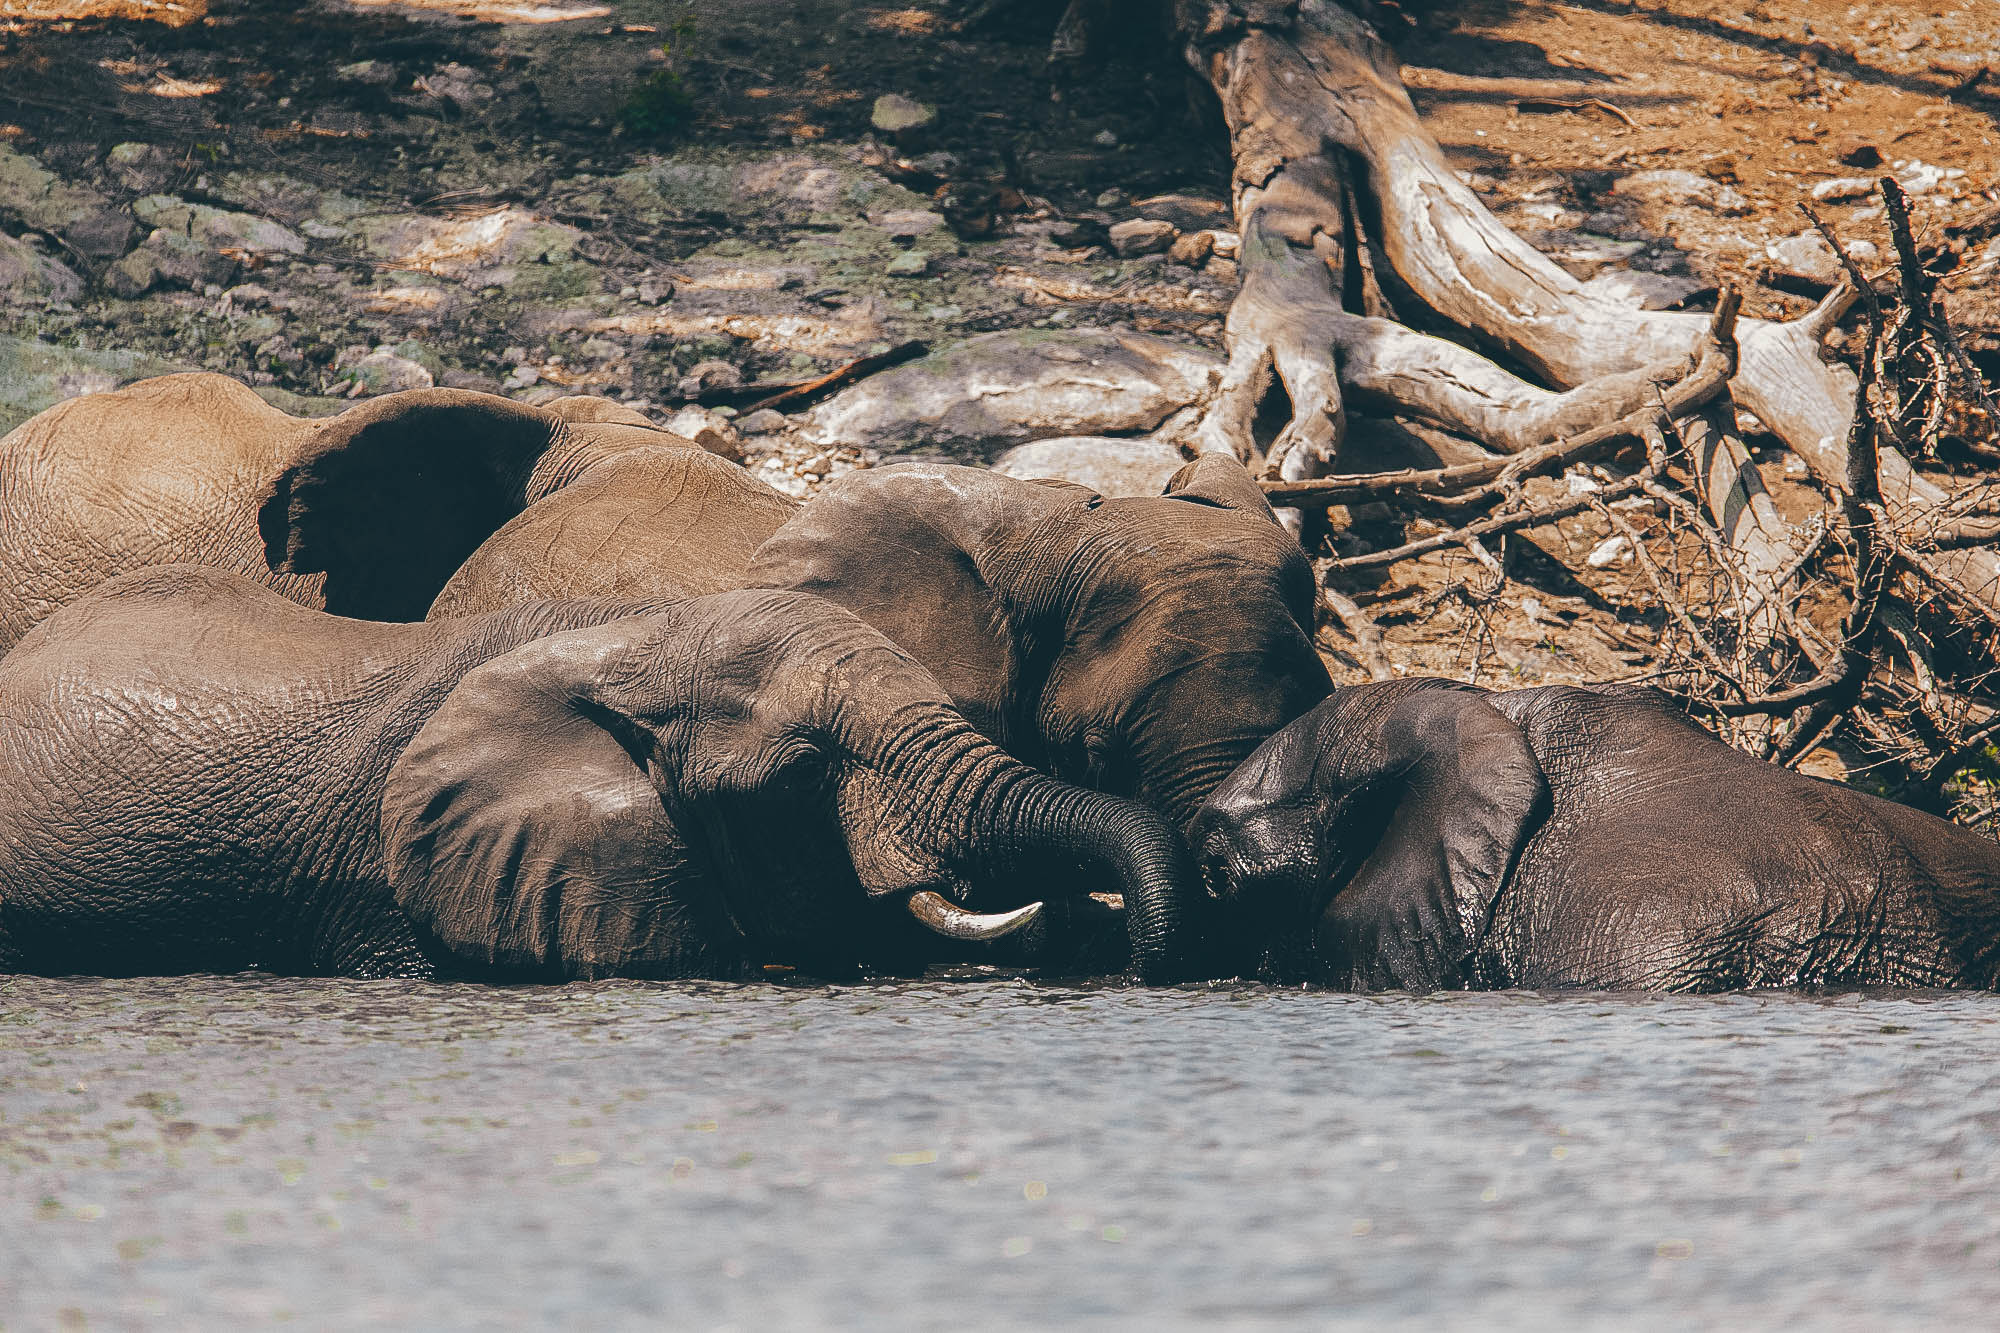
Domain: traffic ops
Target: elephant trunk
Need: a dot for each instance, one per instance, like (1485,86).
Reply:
(1051,825)
(974,814)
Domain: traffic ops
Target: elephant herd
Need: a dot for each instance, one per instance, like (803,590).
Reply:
(451,686)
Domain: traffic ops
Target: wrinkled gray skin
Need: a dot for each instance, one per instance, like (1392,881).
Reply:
(1422,834)
(201,775)
(1140,646)
(173,470)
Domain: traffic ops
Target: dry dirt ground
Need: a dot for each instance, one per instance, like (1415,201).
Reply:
(511,195)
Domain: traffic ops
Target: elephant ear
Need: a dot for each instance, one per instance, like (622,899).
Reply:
(908,548)
(1447,791)
(522,829)
(389,498)
(1221,481)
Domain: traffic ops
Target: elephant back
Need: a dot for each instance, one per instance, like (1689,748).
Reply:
(652,523)
(164,471)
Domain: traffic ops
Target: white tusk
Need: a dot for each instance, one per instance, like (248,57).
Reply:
(953,922)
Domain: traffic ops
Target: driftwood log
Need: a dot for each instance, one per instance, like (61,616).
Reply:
(1374,281)
(1335,177)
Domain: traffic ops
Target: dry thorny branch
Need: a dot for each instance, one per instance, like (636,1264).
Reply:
(1867,639)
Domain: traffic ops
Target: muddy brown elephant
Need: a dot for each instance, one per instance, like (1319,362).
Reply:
(1424,834)
(1141,646)
(202,776)
(174,470)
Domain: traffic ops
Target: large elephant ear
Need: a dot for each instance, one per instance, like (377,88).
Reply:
(521,827)
(1448,791)
(1219,480)
(907,548)
(389,498)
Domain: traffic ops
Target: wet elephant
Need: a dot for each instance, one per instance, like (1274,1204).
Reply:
(1141,646)
(174,470)
(1423,834)
(203,776)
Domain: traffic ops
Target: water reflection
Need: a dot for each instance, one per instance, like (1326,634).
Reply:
(248,1149)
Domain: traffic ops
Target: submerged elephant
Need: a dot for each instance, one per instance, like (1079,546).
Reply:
(173,469)
(201,775)
(1140,646)
(1423,834)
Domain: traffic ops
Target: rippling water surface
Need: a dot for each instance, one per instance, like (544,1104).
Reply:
(209,1151)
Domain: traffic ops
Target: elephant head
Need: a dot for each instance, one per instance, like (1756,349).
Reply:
(388,499)
(1139,646)
(759,767)
(1377,831)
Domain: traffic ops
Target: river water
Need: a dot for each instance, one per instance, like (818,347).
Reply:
(243,1151)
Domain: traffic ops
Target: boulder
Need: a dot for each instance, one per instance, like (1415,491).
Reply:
(217,229)
(1001,389)
(1107,466)
(1681,189)
(35,376)
(168,258)
(896,114)
(1143,236)
(385,370)
(29,277)
(1807,256)
(35,198)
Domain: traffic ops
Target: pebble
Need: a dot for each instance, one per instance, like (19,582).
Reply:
(1843,187)
(1682,187)
(1142,236)
(896,114)
(764,421)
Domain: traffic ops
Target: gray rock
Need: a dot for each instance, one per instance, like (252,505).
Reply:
(218,229)
(1807,255)
(709,429)
(37,199)
(1142,236)
(468,379)
(764,421)
(27,276)
(169,258)
(908,223)
(1108,466)
(373,72)
(1642,290)
(895,114)
(1189,212)
(142,168)
(1842,188)
(35,376)
(909,264)
(1001,389)
(384,371)
(1681,188)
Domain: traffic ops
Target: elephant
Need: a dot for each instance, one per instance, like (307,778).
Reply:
(1141,646)
(202,775)
(434,529)
(1422,834)
(174,469)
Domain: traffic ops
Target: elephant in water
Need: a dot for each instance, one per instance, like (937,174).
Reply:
(174,469)
(201,775)
(1142,646)
(1422,834)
